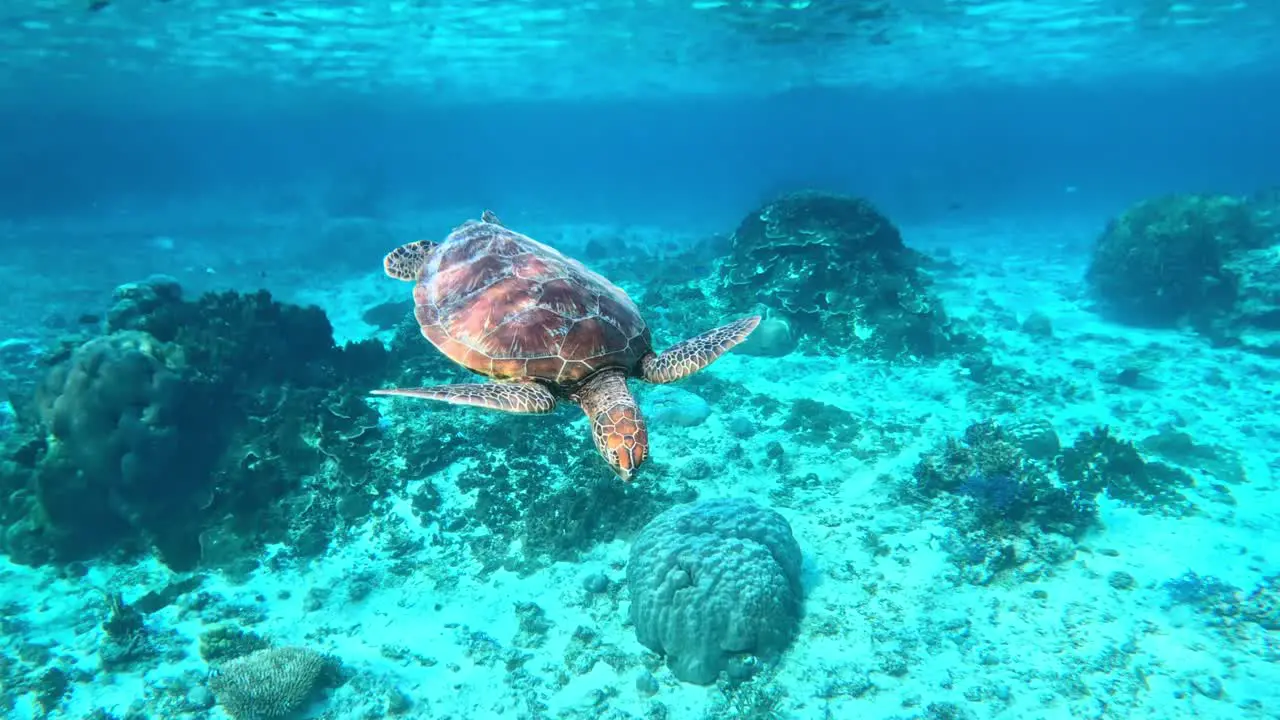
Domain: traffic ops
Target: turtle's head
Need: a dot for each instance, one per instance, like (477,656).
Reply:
(405,262)
(627,447)
(625,444)
(616,424)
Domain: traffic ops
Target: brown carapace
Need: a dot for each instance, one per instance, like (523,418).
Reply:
(544,329)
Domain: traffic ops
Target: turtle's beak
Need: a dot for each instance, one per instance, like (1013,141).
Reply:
(627,461)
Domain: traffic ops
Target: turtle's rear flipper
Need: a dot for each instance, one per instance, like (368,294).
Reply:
(517,397)
(686,358)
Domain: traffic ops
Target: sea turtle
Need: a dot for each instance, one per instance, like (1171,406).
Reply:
(544,328)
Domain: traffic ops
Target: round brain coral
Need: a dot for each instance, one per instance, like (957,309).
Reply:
(713,581)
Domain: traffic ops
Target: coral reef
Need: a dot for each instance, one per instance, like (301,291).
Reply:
(268,683)
(837,272)
(671,406)
(1262,605)
(773,338)
(819,423)
(1099,462)
(1011,500)
(1209,261)
(1007,478)
(1240,615)
(544,489)
(127,642)
(715,584)
(1254,320)
(1161,261)
(1000,487)
(1199,590)
(201,428)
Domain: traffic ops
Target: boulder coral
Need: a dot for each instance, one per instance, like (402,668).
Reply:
(714,582)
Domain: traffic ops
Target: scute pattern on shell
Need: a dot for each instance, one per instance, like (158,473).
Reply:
(504,305)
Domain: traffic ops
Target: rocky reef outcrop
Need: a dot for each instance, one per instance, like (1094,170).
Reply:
(1208,262)
(837,272)
(200,429)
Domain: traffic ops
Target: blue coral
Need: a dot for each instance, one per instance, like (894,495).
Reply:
(995,492)
(1198,590)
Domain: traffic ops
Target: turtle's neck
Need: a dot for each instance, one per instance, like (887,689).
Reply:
(602,390)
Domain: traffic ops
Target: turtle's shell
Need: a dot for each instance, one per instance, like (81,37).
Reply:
(504,305)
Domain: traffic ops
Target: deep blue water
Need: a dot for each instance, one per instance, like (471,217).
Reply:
(919,156)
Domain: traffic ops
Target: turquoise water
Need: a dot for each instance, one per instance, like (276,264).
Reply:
(902,360)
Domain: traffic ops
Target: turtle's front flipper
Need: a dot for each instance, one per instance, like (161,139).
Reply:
(517,397)
(686,358)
